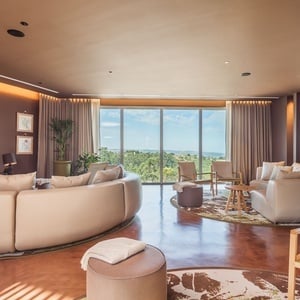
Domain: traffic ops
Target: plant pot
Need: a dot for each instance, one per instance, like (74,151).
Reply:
(62,167)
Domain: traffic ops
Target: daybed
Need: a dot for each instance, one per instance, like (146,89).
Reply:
(37,218)
(276,193)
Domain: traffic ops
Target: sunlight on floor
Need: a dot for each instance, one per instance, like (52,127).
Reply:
(24,291)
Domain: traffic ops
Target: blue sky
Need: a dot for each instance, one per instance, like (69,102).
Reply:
(142,129)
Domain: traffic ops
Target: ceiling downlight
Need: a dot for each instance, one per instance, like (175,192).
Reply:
(16,33)
(245,74)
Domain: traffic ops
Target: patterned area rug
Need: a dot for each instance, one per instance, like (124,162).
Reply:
(225,284)
(214,208)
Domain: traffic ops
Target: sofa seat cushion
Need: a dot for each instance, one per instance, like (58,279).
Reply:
(259,184)
(17,182)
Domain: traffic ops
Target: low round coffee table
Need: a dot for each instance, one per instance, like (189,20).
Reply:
(236,198)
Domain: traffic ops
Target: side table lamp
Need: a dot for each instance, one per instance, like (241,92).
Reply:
(9,159)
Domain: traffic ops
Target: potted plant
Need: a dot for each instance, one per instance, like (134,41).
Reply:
(84,160)
(62,132)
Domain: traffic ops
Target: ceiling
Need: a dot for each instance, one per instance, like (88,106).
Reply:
(153,48)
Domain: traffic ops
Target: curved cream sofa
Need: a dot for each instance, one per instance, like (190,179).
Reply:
(32,219)
(276,197)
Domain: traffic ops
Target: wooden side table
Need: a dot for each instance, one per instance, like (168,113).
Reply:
(236,198)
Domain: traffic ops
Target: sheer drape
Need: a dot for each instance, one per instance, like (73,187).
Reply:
(251,136)
(95,124)
(80,111)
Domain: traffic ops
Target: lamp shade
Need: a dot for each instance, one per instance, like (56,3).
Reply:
(9,159)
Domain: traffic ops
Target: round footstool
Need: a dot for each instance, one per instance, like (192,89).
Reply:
(191,196)
(141,276)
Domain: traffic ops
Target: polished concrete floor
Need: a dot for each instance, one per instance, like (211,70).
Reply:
(185,239)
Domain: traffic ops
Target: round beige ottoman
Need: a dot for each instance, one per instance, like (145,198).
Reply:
(139,277)
(191,196)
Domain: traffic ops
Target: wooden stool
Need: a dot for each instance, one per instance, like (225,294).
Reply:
(236,198)
(294,262)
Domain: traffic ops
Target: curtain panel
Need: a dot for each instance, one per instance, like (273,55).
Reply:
(84,129)
(251,135)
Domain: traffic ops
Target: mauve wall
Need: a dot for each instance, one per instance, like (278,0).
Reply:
(279,129)
(10,104)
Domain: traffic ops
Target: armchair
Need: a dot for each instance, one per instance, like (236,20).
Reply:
(187,172)
(223,173)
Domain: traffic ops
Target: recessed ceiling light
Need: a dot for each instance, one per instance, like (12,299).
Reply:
(226,62)
(15,32)
(24,23)
(246,74)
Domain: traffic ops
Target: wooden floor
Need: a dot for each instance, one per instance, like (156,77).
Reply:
(186,240)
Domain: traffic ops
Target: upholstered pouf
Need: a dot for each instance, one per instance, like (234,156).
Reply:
(191,196)
(139,277)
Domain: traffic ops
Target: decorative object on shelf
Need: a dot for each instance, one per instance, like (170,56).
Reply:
(62,132)
(24,144)
(24,122)
(9,159)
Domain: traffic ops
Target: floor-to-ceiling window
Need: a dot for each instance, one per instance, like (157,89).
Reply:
(110,135)
(180,140)
(213,136)
(142,143)
(151,141)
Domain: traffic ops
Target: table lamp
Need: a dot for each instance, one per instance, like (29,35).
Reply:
(9,159)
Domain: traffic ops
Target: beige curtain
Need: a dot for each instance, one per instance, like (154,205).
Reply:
(80,111)
(251,135)
(49,107)
(95,124)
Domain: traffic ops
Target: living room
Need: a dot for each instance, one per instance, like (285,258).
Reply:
(186,240)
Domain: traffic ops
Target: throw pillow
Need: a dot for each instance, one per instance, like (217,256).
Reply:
(277,169)
(94,167)
(296,167)
(106,175)
(122,170)
(63,181)
(267,169)
(288,175)
(17,182)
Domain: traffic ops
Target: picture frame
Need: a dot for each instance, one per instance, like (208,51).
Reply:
(24,122)
(24,145)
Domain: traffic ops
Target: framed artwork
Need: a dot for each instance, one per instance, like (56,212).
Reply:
(24,145)
(24,122)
